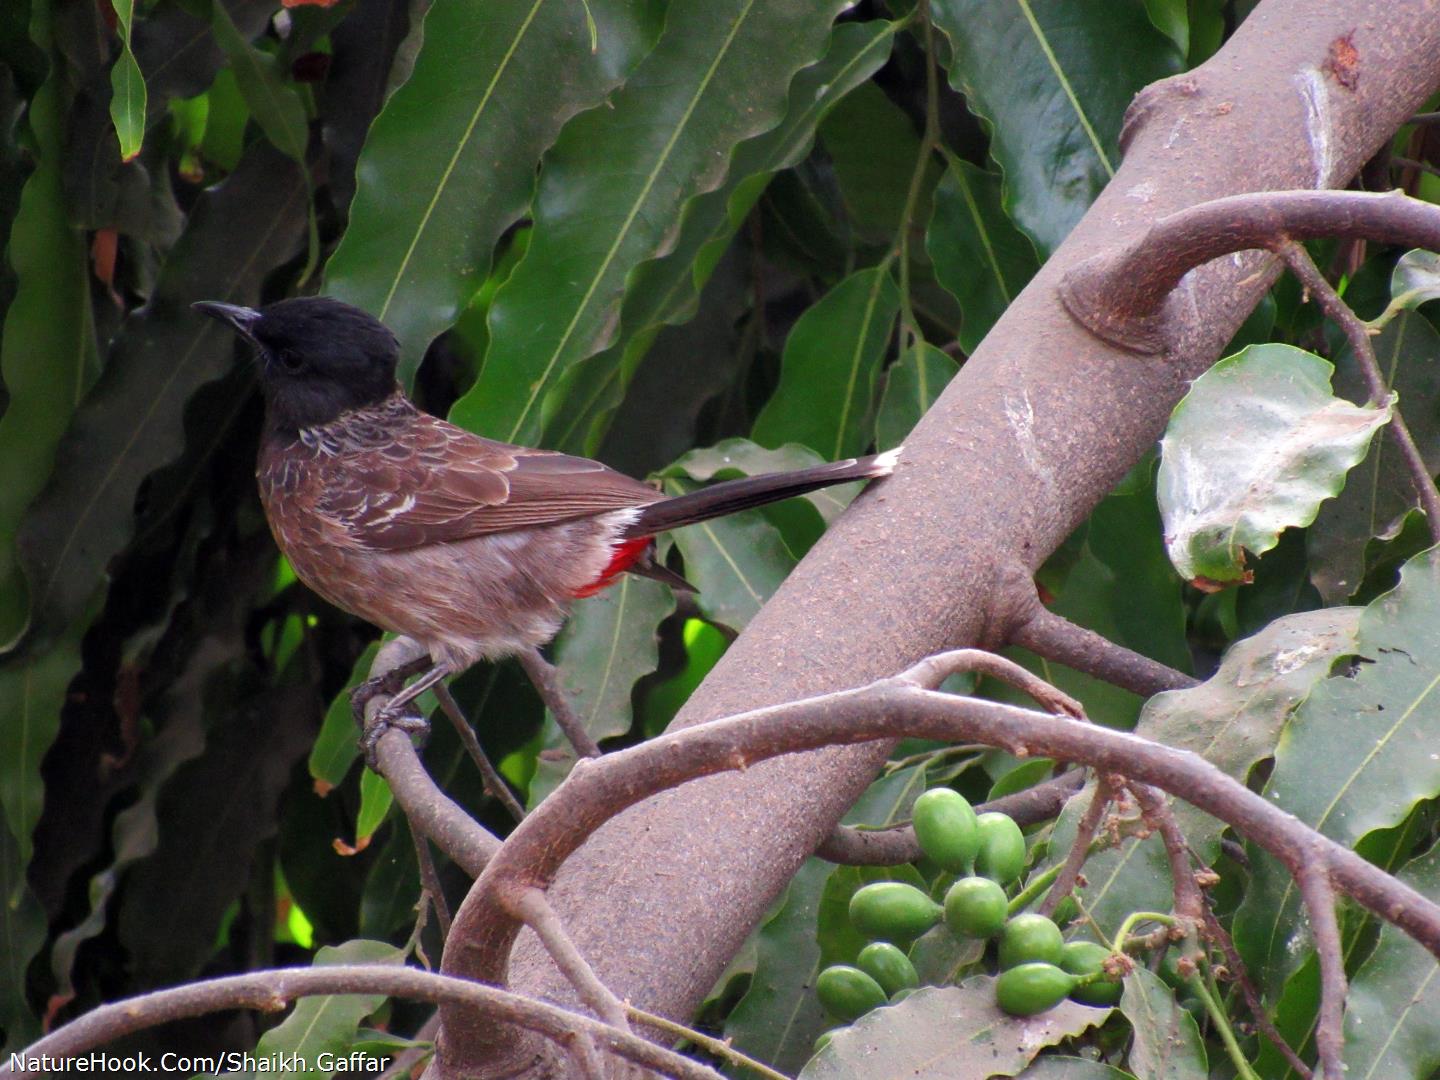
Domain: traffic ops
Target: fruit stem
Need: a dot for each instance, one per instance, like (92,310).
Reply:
(1197,986)
(1033,888)
(1134,919)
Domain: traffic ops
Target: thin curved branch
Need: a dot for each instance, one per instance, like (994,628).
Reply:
(530,905)
(1218,934)
(272,991)
(1122,295)
(891,707)
(1318,895)
(1189,902)
(490,776)
(1056,638)
(434,814)
(429,810)
(890,847)
(1085,832)
(1356,332)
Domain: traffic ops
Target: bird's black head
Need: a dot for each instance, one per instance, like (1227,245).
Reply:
(318,357)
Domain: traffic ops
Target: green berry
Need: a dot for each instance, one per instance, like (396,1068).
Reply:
(1030,939)
(946,827)
(1002,848)
(892,911)
(888,966)
(847,993)
(1032,988)
(1087,959)
(975,907)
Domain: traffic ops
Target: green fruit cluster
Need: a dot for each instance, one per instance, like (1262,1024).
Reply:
(987,851)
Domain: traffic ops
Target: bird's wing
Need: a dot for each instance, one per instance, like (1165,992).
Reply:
(437,483)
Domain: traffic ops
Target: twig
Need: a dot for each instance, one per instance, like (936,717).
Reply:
(453,831)
(1304,268)
(1075,858)
(1319,897)
(995,666)
(1213,931)
(1121,295)
(897,706)
(1189,902)
(272,991)
(431,894)
(1414,163)
(718,1047)
(490,776)
(546,681)
(532,906)
(890,847)
(1056,638)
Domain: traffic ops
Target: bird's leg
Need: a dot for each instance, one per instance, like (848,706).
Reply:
(390,684)
(393,714)
(543,675)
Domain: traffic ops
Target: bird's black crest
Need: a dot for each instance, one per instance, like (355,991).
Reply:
(318,357)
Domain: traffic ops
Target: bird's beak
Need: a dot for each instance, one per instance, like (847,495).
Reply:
(241,319)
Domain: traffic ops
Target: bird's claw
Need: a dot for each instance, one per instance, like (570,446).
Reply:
(384,719)
(389,684)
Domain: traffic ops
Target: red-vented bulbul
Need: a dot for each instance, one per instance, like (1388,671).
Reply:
(473,548)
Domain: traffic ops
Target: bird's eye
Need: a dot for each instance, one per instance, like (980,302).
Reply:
(290,360)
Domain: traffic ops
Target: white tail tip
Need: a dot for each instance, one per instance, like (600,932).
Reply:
(885,463)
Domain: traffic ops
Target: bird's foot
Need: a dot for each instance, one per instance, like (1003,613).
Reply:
(385,718)
(389,684)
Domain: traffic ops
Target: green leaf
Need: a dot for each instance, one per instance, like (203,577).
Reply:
(376,799)
(127,102)
(666,289)
(1414,281)
(1167,1043)
(450,162)
(1356,758)
(947,1033)
(826,394)
(131,421)
(44,360)
(23,930)
(978,254)
(872,145)
(608,644)
(1172,19)
(912,384)
(736,562)
(1379,492)
(779,1017)
(1392,1010)
(617,181)
(1072,1068)
(1052,80)
(273,101)
(336,748)
(329,1023)
(1254,448)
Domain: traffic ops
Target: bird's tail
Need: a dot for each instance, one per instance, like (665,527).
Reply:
(732,495)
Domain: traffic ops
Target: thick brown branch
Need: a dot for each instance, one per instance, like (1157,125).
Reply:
(893,707)
(1125,296)
(1056,638)
(271,991)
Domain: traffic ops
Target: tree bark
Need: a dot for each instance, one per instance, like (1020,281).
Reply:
(1040,423)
